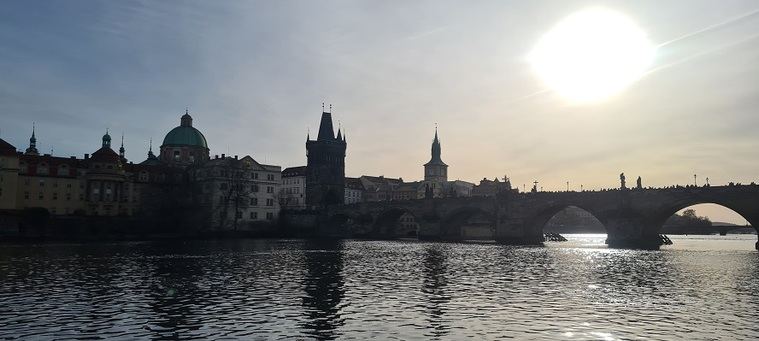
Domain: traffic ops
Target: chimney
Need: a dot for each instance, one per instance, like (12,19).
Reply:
(216,156)
(235,157)
(73,157)
(86,156)
(223,155)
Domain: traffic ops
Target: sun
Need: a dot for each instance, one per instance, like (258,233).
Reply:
(592,55)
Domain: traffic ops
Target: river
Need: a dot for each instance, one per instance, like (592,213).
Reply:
(700,288)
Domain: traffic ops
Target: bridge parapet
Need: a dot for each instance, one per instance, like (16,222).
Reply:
(631,217)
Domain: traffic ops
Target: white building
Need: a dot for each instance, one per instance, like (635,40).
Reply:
(292,194)
(354,191)
(238,192)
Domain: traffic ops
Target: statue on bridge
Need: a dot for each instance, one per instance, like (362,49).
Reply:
(639,183)
(622,181)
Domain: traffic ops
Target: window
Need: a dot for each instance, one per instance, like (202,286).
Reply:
(238,215)
(255,175)
(270,177)
(68,196)
(269,216)
(253,215)
(42,183)
(254,188)
(269,202)
(55,195)
(26,195)
(41,196)
(253,201)
(68,185)
(176,155)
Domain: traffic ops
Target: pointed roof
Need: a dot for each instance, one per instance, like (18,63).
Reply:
(436,151)
(326,131)
(32,150)
(7,149)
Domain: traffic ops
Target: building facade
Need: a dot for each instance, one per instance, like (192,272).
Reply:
(325,169)
(107,184)
(354,191)
(292,194)
(235,192)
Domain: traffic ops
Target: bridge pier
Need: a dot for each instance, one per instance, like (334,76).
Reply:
(513,231)
(631,233)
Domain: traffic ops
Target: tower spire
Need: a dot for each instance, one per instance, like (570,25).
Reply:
(32,150)
(121,149)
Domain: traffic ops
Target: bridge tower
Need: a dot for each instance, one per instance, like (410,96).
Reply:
(436,170)
(325,170)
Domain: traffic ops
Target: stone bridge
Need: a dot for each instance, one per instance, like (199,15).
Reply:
(632,217)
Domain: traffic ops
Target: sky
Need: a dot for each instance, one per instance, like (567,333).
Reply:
(255,73)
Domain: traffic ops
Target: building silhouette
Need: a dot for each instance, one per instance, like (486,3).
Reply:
(325,168)
(436,170)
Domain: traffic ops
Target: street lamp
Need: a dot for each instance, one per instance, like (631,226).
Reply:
(567,186)
(694,180)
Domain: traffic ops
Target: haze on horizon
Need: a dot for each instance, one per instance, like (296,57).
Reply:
(254,75)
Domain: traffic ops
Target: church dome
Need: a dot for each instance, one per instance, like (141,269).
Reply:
(185,135)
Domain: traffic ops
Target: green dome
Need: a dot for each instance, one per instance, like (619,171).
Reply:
(185,136)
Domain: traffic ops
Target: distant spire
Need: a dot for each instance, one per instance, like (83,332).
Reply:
(121,149)
(323,107)
(308,133)
(186,110)
(330,108)
(339,133)
(151,156)
(32,150)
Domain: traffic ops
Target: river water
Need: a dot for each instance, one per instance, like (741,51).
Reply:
(701,288)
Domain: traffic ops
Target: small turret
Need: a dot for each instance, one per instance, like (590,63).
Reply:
(186,120)
(106,139)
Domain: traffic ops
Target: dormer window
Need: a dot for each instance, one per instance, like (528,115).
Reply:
(42,168)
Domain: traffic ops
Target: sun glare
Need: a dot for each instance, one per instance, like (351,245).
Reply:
(592,55)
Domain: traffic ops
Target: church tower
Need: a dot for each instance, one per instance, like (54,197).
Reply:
(32,150)
(436,170)
(325,170)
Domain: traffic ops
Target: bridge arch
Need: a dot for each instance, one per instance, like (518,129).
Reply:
(396,222)
(468,223)
(568,219)
(663,215)
(542,219)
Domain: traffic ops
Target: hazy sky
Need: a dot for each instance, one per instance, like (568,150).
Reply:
(254,75)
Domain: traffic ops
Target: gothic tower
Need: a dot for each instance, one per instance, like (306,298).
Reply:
(325,171)
(436,170)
